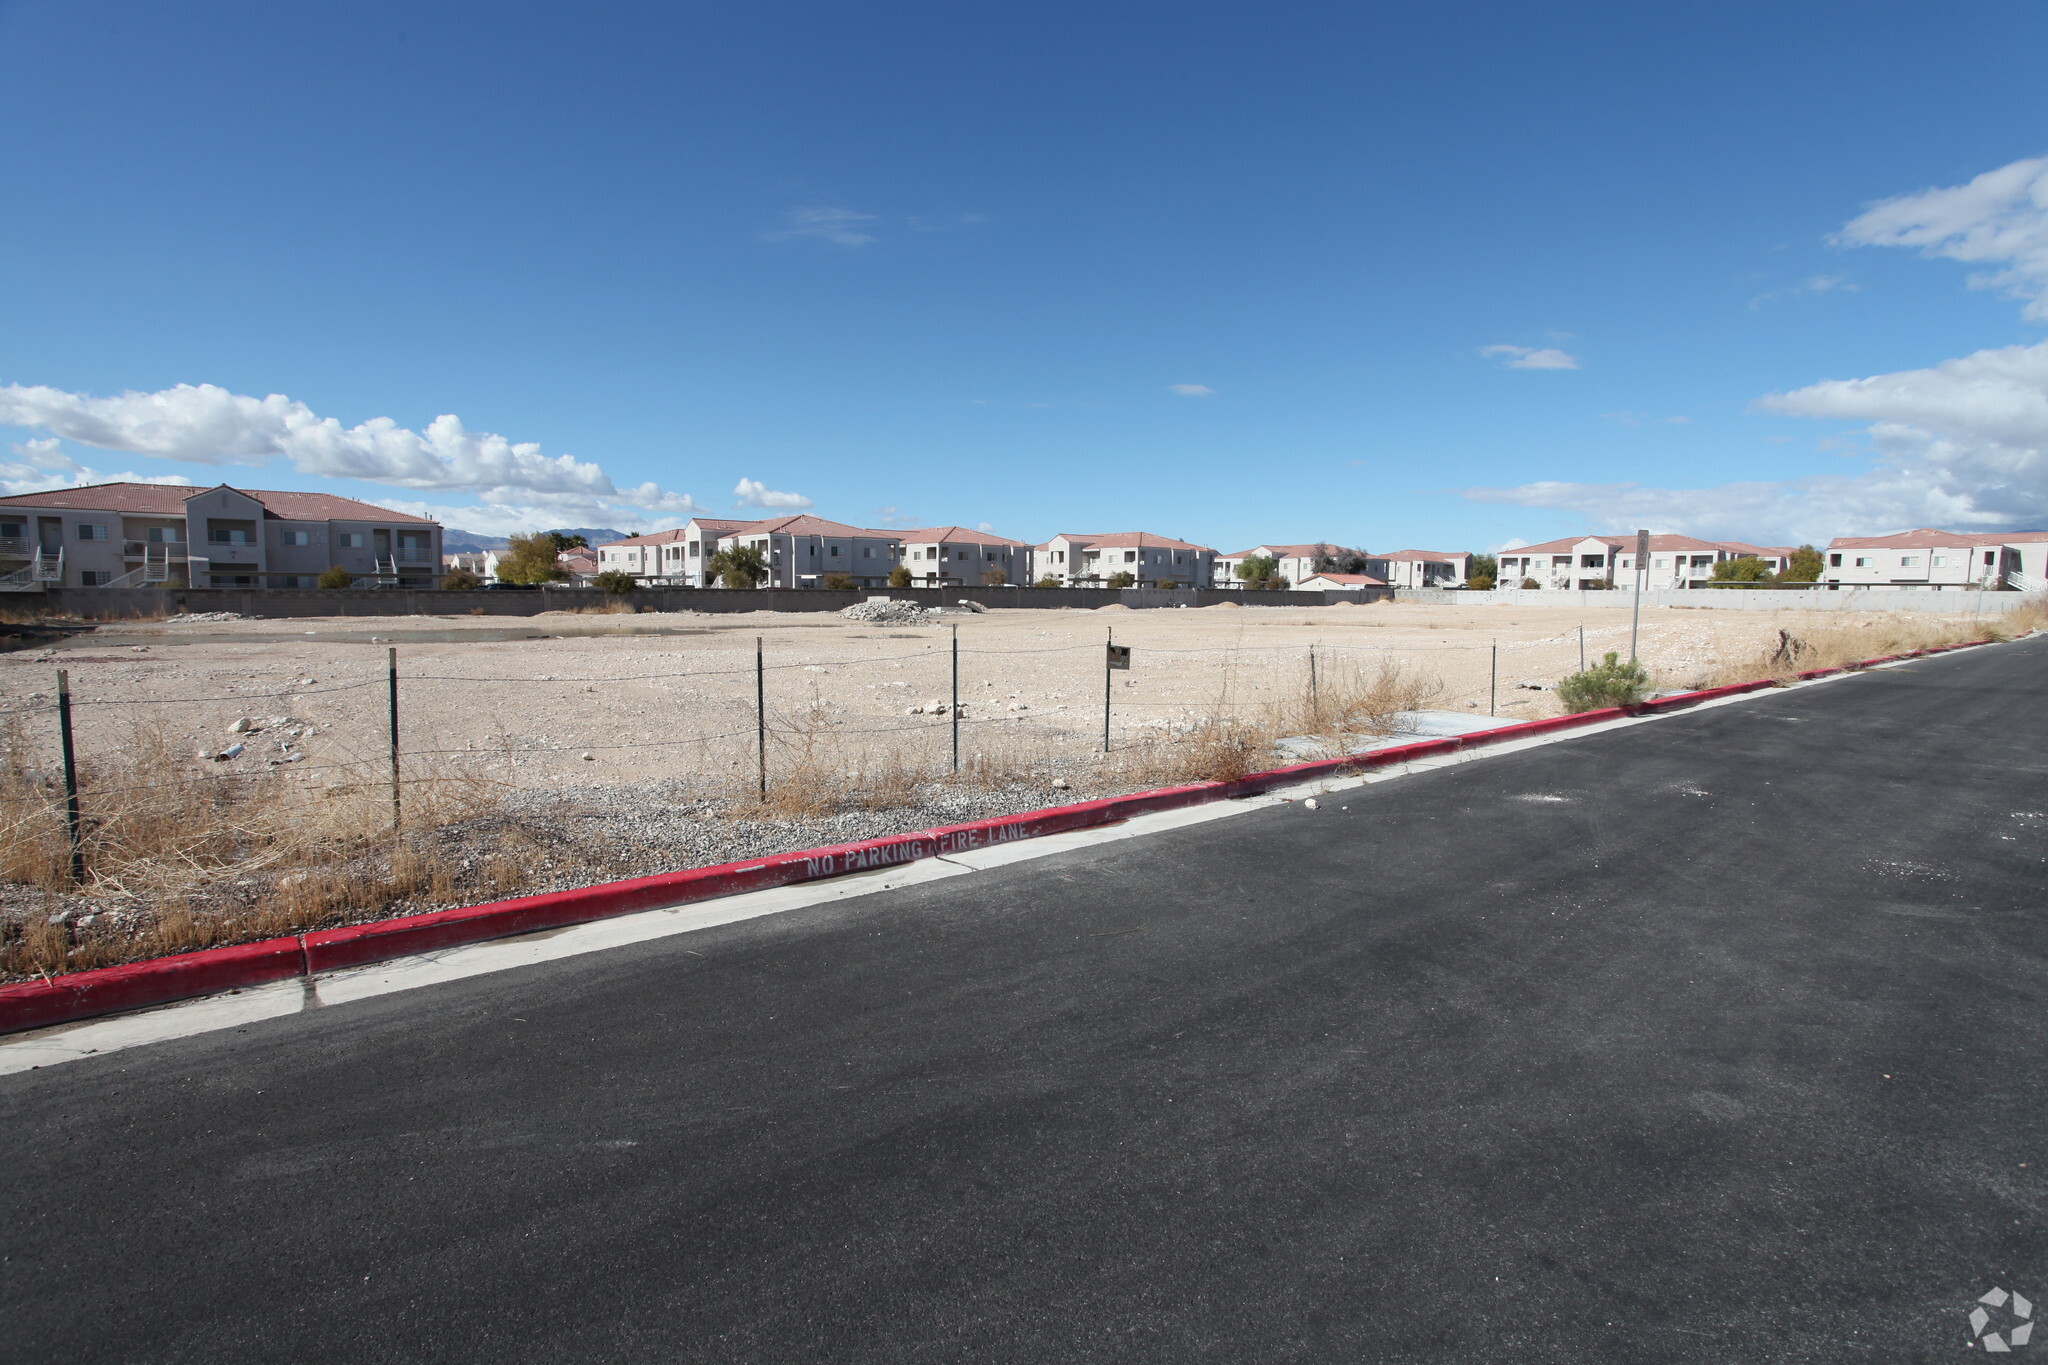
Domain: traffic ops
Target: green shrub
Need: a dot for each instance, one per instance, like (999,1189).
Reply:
(1480,582)
(1530,583)
(994,578)
(739,566)
(836,581)
(461,580)
(1123,579)
(899,577)
(336,577)
(1165,583)
(1049,581)
(1607,683)
(615,582)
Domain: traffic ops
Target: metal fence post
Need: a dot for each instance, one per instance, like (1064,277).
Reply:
(956,700)
(394,738)
(1493,681)
(760,719)
(1314,702)
(70,777)
(1105,689)
(1582,646)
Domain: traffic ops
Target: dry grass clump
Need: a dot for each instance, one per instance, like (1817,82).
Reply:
(178,856)
(1834,646)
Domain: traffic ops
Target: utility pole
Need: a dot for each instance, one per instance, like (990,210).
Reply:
(1636,620)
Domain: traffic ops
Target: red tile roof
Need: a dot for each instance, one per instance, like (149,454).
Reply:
(1349,580)
(1126,540)
(1925,539)
(1429,556)
(1296,551)
(168,500)
(651,538)
(954,535)
(805,525)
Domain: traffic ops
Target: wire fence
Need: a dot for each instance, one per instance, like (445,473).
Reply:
(732,721)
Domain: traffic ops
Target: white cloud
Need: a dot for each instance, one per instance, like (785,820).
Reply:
(2000,219)
(896,519)
(986,528)
(754,493)
(1812,284)
(1529,358)
(1961,445)
(840,227)
(205,424)
(41,464)
(1191,390)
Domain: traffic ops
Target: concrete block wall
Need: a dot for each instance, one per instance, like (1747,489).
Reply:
(113,604)
(1954,601)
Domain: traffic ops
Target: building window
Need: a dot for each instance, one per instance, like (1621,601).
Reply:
(351,540)
(92,530)
(1908,561)
(1941,561)
(94,578)
(867,552)
(1834,561)
(295,537)
(835,551)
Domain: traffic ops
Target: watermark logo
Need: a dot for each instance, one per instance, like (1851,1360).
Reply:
(2001,1322)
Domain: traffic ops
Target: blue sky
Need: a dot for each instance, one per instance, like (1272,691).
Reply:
(1230,273)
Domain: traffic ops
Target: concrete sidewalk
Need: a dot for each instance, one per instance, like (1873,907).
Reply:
(1713,1039)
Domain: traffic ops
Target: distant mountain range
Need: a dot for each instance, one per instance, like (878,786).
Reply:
(459,542)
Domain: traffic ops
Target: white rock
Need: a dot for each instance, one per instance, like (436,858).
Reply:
(1059,784)
(590,758)
(242,726)
(1310,803)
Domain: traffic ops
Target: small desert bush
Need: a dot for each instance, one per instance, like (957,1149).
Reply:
(1607,683)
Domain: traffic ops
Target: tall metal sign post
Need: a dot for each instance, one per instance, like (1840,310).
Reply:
(1642,567)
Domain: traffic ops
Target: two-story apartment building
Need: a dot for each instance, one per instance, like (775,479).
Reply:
(1610,562)
(1424,568)
(953,556)
(655,558)
(1091,560)
(1926,558)
(1296,563)
(136,534)
(799,551)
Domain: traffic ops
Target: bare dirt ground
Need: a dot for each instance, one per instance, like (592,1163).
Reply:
(654,695)
(236,775)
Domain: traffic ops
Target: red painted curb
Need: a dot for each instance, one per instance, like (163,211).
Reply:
(162,981)
(136,985)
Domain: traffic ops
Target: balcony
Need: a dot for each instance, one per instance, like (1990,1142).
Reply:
(16,547)
(152,549)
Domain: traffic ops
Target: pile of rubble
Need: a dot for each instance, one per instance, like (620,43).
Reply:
(883,610)
(189,618)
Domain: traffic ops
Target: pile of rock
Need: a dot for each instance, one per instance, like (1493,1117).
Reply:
(886,611)
(195,617)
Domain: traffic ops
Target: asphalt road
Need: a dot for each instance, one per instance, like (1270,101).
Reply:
(1714,1039)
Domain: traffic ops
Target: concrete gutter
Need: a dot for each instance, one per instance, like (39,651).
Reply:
(161,981)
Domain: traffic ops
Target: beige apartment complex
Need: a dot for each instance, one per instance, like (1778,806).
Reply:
(146,534)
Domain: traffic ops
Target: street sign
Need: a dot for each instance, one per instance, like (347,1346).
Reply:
(1642,549)
(1120,657)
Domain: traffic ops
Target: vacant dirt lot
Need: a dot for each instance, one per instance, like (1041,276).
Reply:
(236,776)
(626,699)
